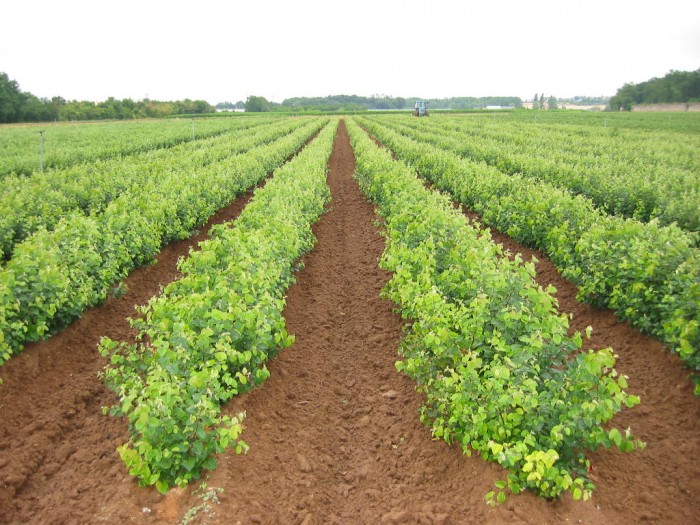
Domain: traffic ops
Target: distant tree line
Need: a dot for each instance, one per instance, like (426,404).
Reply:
(675,87)
(468,102)
(21,106)
(359,103)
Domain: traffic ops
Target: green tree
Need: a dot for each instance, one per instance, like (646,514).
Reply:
(675,87)
(256,104)
(20,106)
(552,102)
(11,100)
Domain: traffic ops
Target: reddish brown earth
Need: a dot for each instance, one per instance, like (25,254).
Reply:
(334,432)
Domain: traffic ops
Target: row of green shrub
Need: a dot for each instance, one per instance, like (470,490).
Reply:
(647,273)
(207,337)
(55,275)
(486,344)
(652,179)
(66,144)
(40,201)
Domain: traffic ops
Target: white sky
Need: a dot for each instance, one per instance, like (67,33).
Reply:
(226,50)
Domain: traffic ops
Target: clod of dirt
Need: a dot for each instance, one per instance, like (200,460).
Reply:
(304,464)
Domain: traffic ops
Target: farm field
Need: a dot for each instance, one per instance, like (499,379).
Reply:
(66,144)
(390,271)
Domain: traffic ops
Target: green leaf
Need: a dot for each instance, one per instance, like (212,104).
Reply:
(210,463)
(615,436)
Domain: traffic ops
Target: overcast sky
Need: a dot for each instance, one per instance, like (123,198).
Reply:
(226,50)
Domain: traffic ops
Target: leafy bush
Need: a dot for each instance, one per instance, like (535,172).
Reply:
(486,345)
(42,200)
(55,275)
(207,337)
(644,272)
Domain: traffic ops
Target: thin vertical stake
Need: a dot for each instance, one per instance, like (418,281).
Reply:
(41,151)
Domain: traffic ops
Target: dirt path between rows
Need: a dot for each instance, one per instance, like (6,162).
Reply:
(334,432)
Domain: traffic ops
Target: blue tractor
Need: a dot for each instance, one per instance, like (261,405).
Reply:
(419,109)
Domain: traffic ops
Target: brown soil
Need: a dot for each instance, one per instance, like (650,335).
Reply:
(334,432)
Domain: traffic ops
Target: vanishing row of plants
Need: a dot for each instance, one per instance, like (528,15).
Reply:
(65,144)
(684,123)
(647,273)
(640,183)
(207,337)
(30,203)
(55,275)
(486,344)
(612,143)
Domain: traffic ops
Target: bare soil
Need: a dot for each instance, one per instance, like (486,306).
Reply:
(334,432)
